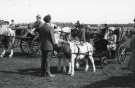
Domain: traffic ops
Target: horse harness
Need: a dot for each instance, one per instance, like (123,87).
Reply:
(79,51)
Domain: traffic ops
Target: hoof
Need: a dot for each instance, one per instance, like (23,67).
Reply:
(64,70)
(77,65)
(10,56)
(1,56)
(71,75)
(86,70)
(94,71)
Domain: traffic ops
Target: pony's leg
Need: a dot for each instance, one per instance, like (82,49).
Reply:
(69,64)
(64,60)
(11,46)
(3,53)
(64,69)
(87,65)
(73,65)
(59,64)
(11,53)
(109,51)
(77,65)
(77,62)
(93,63)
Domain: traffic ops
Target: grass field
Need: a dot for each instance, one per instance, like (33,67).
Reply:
(24,72)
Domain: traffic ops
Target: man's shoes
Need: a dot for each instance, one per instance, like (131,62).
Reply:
(42,75)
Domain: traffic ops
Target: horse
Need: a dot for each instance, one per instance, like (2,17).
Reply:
(76,34)
(80,52)
(74,51)
(8,39)
(62,48)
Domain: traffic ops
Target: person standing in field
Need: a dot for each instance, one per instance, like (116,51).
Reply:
(12,25)
(131,63)
(80,27)
(47,40)
(37,23)
(83,35)
(77,24)
(34,28)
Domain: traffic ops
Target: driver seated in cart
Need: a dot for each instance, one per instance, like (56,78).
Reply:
(37,23)
(112,39)
(33,28)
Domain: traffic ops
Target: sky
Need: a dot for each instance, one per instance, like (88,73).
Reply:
(87,11)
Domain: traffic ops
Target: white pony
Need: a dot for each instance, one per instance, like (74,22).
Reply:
(73,50)
(8,37)
(80,52)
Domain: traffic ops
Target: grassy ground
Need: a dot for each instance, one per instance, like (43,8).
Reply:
(23,72)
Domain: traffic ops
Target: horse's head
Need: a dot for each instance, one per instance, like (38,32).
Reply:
(75,32)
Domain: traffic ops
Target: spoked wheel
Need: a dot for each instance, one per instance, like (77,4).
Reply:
(30,47)
(121,55)
(25,46)
(16,43)
(35,47)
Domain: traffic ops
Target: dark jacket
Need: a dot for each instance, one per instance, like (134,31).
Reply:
(131,63)
(37,25)
(46,35)
(101,45)
(82,35)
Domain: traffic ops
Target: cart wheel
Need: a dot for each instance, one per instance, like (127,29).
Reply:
(121,55)
(16,43)
(35,48)
(25,47)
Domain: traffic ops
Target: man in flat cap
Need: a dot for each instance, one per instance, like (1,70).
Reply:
(131,63)
(46,35)
(38,22)
(12,25)
(77,24)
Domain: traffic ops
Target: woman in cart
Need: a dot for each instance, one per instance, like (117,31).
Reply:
(112,38)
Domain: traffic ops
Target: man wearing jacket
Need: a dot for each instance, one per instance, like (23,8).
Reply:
(37,23)
(46,35)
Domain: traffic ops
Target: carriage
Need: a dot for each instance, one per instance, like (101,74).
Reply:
(124,46)
(27,42)
(22,39)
